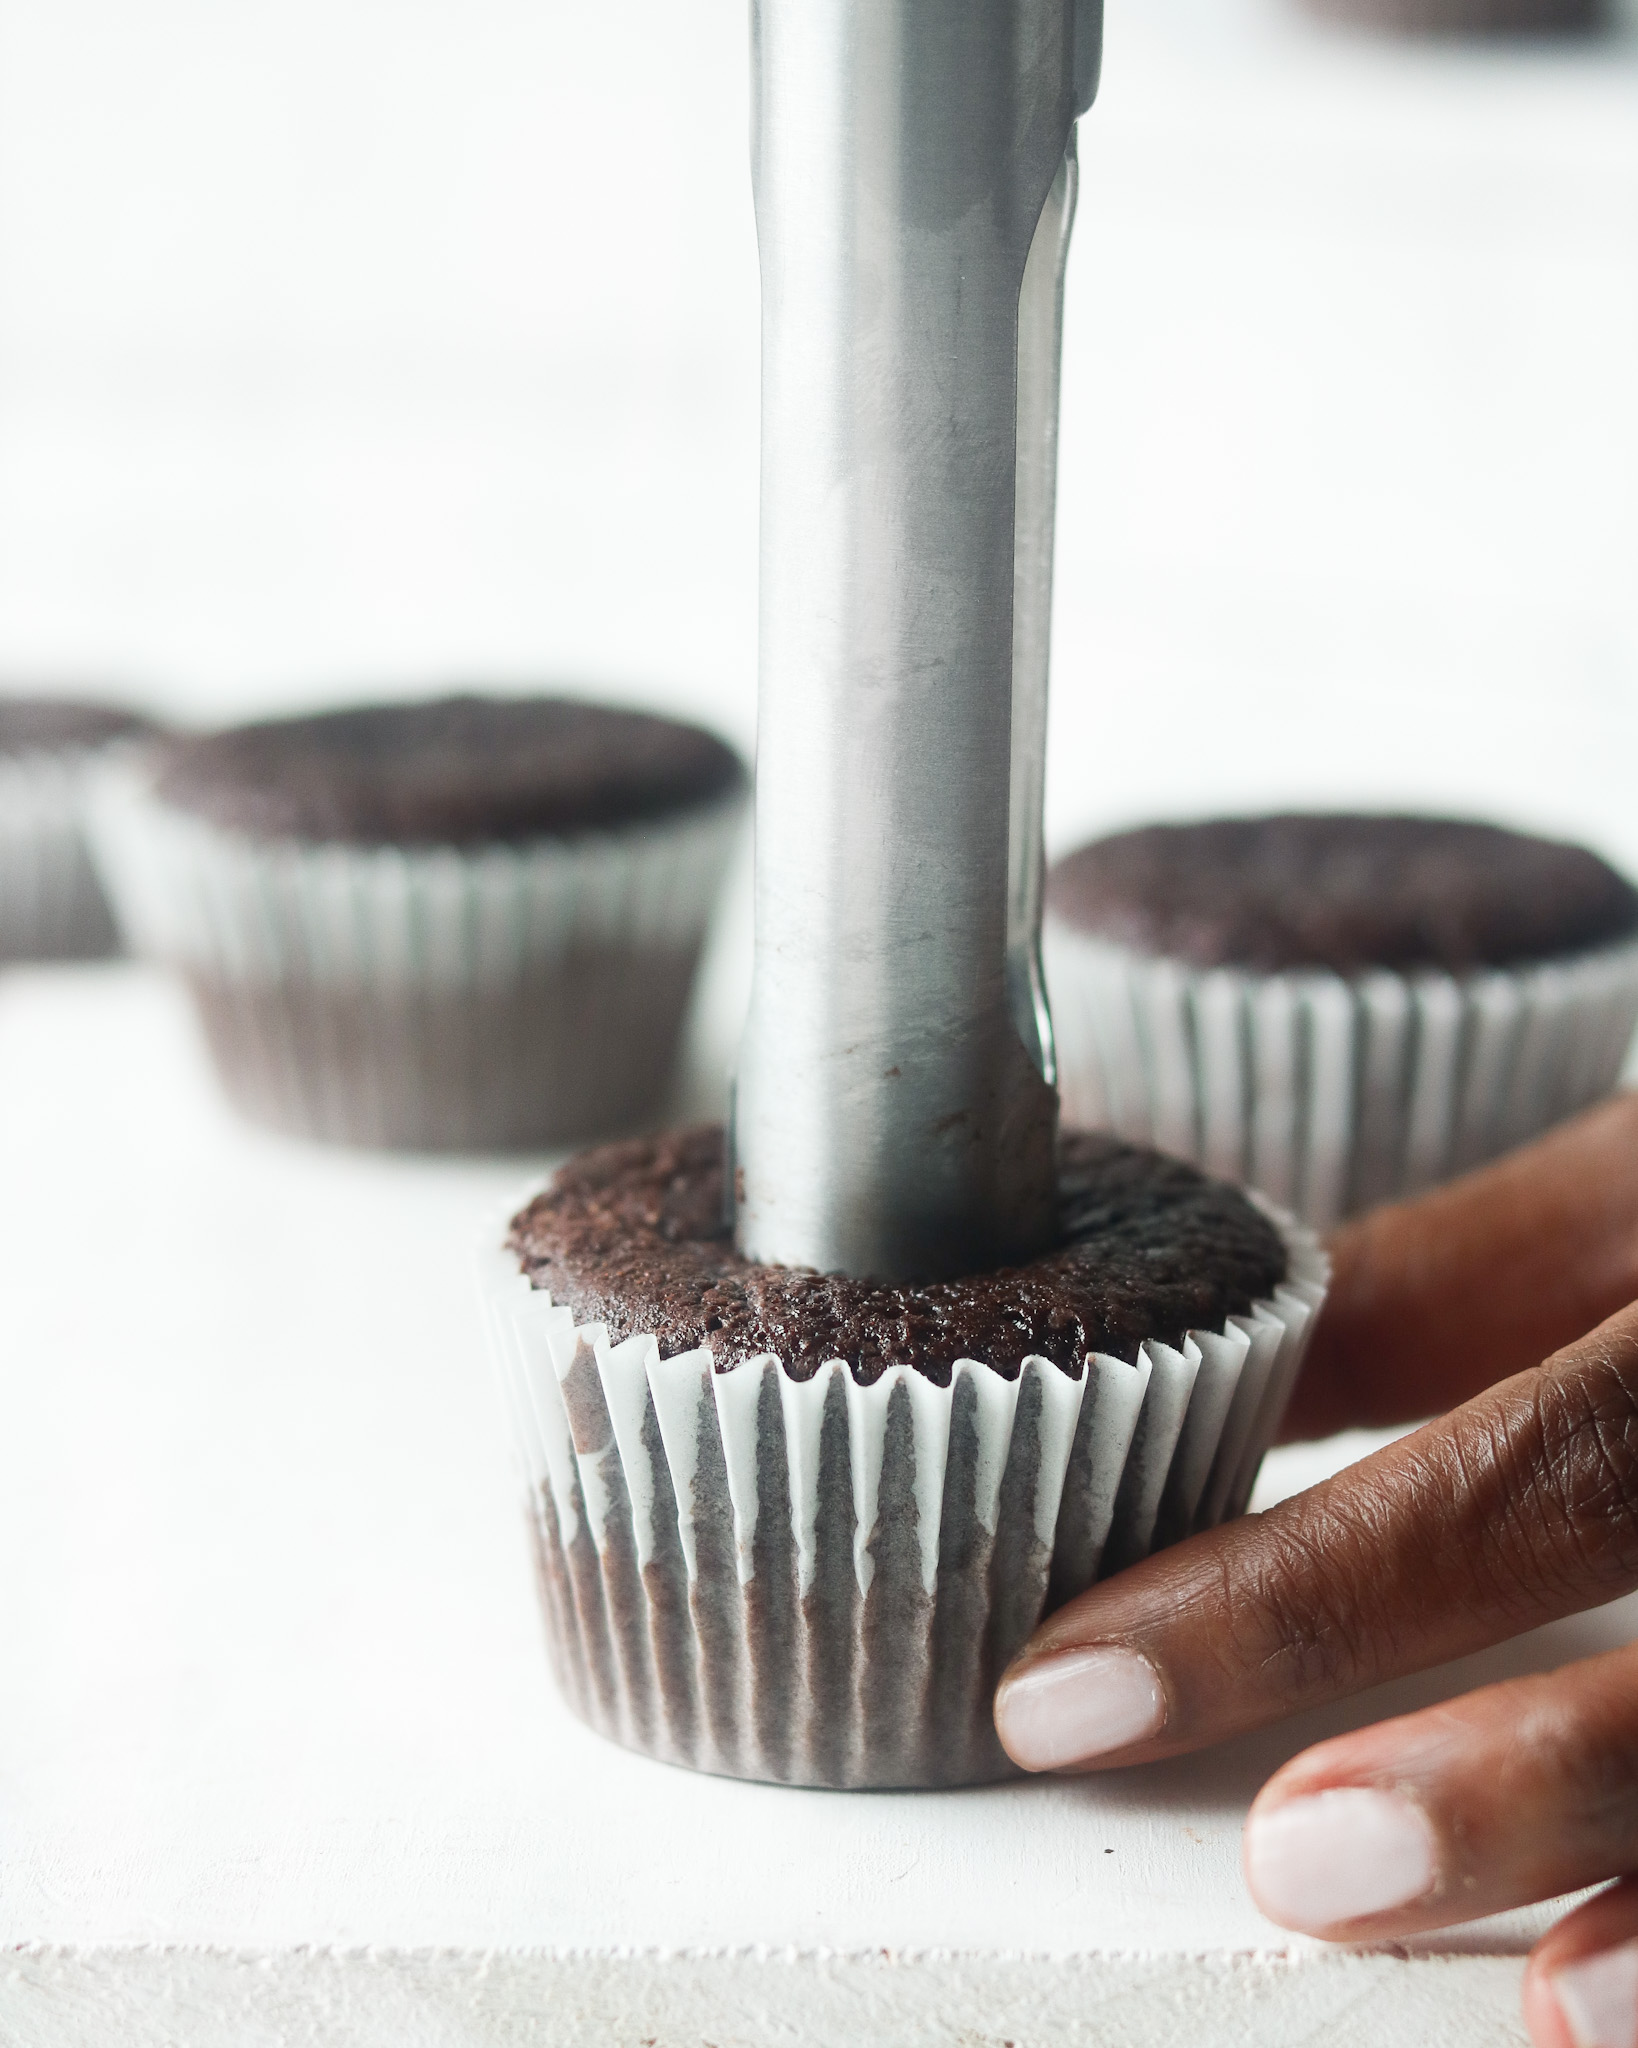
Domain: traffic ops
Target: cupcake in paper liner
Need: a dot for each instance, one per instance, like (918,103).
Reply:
(472,923)
(793,1526)
(52,906)
(1337,1010)
(1481,18)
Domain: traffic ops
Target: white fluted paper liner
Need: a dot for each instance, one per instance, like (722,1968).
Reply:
(1331,1094)
(820,1583)
(487,997)
(51,904)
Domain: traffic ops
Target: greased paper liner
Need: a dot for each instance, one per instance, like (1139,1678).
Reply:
(51,904)
(492,996)
(819,1582)
(1331,1094)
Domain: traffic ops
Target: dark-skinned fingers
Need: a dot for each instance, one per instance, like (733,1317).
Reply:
(1513,1510)
(1511,1794)
(1436,1298)
(1581,1985)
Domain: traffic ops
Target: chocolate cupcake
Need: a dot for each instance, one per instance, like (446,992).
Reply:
(792,1525)
(1467,17)
(1337,1009)
(469,923)
(51,904)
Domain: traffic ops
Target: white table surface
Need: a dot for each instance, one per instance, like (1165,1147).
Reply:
(279,1756)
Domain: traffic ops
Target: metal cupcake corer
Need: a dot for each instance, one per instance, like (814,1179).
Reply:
(914,170)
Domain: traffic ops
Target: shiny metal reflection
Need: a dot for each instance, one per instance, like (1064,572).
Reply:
(914,171)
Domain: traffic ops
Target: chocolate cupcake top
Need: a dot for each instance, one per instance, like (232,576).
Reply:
(458,771)
(633,1235)
(1343,892)
(50,725)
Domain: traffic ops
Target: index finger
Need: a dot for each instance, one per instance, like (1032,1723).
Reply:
(1432,1299)
(1520,1507)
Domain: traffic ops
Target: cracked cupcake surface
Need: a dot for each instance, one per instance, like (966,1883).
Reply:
(635,1236)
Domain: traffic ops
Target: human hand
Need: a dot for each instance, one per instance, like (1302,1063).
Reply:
(1519,1506)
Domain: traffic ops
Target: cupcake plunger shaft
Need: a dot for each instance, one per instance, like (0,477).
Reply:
(914,172)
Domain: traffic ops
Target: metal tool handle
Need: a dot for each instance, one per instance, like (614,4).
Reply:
(913,161)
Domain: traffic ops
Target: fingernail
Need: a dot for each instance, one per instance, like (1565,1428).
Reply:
(1338,1856)
(1599,1998)
(1083,1703)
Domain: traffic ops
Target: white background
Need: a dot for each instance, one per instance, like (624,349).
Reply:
(355,346)
(374,343)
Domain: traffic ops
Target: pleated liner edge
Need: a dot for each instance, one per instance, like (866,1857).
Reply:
(52,906)
(819,1583)
(1330,1094)
(484,997)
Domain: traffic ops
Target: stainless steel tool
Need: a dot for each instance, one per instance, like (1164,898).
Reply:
(914,168)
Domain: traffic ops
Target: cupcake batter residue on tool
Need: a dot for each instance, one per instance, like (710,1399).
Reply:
(632,1236)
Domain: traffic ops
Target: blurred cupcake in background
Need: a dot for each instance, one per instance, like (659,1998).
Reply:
(471,923)
(51,904)
(1467,17)
(1337,1009)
